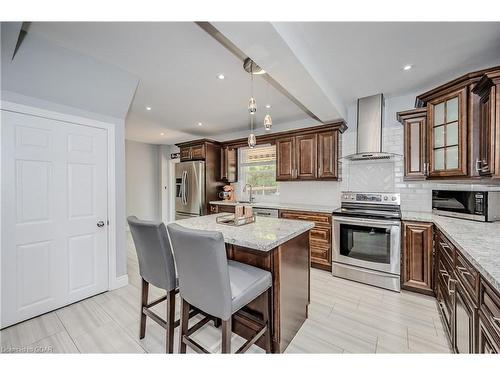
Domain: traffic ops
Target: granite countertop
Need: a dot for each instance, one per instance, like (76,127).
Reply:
(479,242)
(264,234)
(283,206)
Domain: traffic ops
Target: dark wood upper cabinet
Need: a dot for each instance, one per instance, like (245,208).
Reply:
(447,135)
(488,91)
(328,155)
(229,164)
(285,159)
(462,129)
(302,154)
(311,155)
(194,150)
(417,257)
(306,156)
(414,122)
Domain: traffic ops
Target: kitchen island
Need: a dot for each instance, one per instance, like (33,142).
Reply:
(281,247)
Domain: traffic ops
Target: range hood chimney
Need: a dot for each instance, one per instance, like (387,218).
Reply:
(370,122)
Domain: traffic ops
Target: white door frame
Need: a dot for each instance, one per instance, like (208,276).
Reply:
(114,281)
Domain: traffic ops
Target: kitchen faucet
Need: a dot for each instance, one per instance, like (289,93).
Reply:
(250,195)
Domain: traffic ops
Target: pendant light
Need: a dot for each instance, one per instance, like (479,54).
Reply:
(252,109)
(268,121)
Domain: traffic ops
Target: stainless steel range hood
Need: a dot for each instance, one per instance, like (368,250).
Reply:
(370,122)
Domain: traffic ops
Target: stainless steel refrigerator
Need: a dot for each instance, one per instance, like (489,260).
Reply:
(189,189)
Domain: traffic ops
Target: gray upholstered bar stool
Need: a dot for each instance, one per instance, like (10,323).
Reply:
(217,286)
(156,267)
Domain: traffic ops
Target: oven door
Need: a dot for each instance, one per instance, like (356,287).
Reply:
(368,243)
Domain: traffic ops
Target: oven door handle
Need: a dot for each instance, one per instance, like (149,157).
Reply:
(386,223)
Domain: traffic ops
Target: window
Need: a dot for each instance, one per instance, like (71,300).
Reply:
(258,168)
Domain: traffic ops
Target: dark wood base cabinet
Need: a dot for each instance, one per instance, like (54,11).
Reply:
(469,306)
(417,257)
(320,237)
(465,322)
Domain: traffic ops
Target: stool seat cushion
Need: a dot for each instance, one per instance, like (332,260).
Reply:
(247,283)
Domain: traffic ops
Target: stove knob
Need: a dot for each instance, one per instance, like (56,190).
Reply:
(393,198)
(385,197)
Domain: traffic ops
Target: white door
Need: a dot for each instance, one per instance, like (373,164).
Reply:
(54,214)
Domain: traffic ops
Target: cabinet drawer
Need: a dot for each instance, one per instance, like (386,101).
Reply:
(468,276)
(320,255)
(320,235)
(318,219)
(319,252)
(490,307)
(446,249)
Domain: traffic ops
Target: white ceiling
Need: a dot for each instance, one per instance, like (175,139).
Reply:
(325,65)
(360,59)
(177,64)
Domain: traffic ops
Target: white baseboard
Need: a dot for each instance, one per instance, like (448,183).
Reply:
(119,282)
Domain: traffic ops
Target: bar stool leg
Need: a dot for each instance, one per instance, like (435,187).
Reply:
(169,343)
(184,325)
(226,336)
(266,318)
(144,302)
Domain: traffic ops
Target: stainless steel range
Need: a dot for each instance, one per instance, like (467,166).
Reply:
(367,239)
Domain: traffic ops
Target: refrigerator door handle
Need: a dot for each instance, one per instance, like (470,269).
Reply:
(184,187)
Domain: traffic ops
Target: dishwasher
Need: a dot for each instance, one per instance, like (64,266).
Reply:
(269,212)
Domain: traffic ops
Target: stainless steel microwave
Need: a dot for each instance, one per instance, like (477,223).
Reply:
(472,205)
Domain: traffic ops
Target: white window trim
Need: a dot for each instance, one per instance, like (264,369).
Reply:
(242,179)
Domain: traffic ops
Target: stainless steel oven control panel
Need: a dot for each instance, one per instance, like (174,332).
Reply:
(371,198)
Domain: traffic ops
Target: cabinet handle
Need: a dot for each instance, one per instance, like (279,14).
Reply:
(445,246)
(478,163)
(450,291)
(484,164)
(464,271)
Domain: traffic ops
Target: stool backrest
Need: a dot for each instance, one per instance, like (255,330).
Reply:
(156,261)
(203,271)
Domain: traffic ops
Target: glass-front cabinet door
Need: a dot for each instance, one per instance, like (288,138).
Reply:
(448,134)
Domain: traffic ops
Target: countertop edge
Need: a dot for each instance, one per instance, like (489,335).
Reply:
(282,206)
(431,218)
(273,245)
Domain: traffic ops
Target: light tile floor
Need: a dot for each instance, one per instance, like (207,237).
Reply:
(344,317)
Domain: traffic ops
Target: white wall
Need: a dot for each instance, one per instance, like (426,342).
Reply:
(143,179)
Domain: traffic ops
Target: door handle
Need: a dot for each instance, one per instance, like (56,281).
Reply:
(184,183)
(100,223)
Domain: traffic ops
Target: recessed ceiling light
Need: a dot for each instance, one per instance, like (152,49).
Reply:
(268,106)
(162,133)
(200,124)
(407,67)
(221,76)
(148,108)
